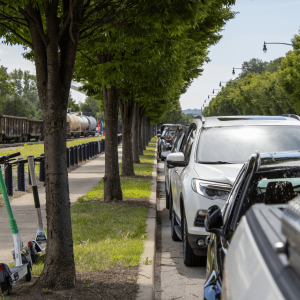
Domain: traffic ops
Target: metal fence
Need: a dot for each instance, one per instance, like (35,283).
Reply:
(75,155)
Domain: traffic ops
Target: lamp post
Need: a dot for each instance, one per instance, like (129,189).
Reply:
(216,90)
(265,47)
(211,95)
(248,69)
(222,82)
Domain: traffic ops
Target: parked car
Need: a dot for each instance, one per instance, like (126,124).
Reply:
(270,178)
(265,237)
(166,137)
(175,148)
(212,156)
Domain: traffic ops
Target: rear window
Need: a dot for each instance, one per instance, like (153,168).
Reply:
(236,144)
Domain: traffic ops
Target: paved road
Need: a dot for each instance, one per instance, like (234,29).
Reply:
(81,180)
(173,280)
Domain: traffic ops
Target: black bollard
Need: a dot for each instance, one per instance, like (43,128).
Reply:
(76,155)
(8,178)
(29,177)
(71,156)
(80,153)
(42,168)
(87,151)
(68,157)
(21,176)
(83,152)
(104,145)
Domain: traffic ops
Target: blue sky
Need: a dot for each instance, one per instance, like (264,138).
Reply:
(243,37)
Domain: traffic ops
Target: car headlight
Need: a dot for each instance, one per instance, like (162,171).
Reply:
(211,190)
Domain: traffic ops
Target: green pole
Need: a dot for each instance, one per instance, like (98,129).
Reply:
(12,221)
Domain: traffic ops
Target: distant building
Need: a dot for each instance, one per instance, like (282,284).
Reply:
(194,111)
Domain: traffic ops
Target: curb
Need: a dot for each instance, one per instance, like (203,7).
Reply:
(145,280)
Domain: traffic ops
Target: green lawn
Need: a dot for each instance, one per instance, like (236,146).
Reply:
(38,149)
(131,187)
(113,235)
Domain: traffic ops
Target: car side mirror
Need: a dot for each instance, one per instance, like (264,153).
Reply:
(214,220)
(158,135)
(176,160)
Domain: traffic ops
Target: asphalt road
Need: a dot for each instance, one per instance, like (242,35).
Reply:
(173,280)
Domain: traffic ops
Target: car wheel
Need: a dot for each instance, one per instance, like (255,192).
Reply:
(167,197)
(173,223)
(189,257)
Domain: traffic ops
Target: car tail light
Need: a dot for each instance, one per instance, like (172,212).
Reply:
(1,268)
(30,244)
(169,140)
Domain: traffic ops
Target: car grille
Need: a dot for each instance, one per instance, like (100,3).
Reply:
(199,221)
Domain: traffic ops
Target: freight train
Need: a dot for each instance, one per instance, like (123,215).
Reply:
(21,129)
(79,124)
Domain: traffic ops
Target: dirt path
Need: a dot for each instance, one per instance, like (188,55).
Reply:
(173,280)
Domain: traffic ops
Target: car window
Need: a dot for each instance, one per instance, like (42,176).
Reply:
(180,141)
(234,191)
(176,142)
(235,144)
(187,149)
(269,187)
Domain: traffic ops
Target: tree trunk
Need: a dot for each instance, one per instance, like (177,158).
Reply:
(112,184)
(140,128)
(135,135)
(144,132)
(127,108)
(54,62)
(59,268)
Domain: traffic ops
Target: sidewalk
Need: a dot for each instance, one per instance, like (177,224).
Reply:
(81,180)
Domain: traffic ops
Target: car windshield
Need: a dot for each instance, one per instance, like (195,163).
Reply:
(236,144)
(271,187)
(171,133)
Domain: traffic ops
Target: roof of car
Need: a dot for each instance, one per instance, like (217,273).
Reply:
(222,121)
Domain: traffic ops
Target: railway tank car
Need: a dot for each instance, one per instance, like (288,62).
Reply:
(80,125)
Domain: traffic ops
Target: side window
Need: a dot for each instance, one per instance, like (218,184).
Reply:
(179,141)
(190,143)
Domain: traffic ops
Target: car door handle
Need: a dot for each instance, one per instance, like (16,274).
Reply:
(176,170)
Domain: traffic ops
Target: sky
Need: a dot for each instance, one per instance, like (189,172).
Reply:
(243,38)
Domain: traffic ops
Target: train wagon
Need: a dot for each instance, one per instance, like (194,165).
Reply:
(35,129)
(20,129)
(80,125)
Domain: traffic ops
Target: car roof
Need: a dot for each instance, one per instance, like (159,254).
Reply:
(224,121)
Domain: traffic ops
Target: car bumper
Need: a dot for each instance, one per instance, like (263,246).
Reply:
(193,241)
(194,203)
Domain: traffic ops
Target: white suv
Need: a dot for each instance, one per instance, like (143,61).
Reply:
(212,155)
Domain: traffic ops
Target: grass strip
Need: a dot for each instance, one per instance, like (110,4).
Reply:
(131,187)
(37,149)
(140,169)
(106,235)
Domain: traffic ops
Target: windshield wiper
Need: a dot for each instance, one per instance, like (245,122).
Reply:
(215,162)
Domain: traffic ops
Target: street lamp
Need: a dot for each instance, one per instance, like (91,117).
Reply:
(216,90)
(222,82)
(211,95)
(233,72)
(265,47)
